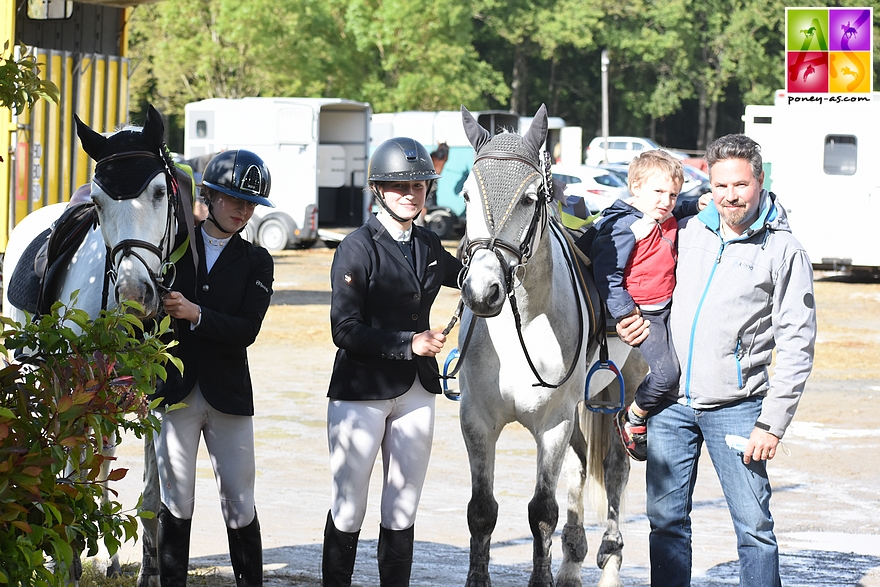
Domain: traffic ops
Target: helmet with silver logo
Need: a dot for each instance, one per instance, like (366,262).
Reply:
(401,159)
(240,174)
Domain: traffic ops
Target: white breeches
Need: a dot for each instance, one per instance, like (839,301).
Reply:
(403,428)
(230,443)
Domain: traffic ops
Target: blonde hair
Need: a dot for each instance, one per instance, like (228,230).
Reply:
(654,161)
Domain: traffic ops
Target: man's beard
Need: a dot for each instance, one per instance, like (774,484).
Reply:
(736,217)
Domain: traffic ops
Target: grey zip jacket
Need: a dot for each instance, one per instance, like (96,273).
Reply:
(733,303)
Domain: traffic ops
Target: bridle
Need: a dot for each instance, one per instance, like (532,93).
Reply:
(164,278)
(523,252)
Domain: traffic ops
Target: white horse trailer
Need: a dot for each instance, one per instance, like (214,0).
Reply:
(820,158)
(316,150)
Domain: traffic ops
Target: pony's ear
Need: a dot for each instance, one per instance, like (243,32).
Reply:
(537,133)
(476,134)
(92,142)
(154,128)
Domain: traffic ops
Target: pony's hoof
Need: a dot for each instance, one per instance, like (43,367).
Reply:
(611,548)
(478,579)
(542,576)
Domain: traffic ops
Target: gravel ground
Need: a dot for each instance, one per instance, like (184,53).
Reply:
(825,489)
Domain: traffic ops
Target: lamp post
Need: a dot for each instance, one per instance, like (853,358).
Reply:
(605,62)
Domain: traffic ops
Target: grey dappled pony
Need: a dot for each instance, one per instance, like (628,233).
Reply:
(525,342)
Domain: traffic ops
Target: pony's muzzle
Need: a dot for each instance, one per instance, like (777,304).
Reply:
(140,291)
(484,289)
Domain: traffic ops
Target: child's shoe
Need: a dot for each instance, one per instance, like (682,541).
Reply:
(633,436)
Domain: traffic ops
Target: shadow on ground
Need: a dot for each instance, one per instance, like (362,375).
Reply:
(441,565)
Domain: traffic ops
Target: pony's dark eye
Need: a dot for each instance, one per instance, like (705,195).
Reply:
(464,194)
(96,203)
(159,193)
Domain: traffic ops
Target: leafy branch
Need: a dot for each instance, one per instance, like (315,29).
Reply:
(20,83)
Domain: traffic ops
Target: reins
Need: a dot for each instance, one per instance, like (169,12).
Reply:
(523,253)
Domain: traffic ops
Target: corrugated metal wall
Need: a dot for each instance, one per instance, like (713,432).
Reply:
(83,56)
(48,162)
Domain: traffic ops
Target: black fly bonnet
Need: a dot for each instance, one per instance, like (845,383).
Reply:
(125,163)
(128,160)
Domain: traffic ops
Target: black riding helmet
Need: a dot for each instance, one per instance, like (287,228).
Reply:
(240,174)
(400,159)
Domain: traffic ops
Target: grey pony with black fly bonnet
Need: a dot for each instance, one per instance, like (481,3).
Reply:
(144,211)
(127,163)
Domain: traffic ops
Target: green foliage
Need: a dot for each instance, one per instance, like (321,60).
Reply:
(60,407)
(395,54)
(20,83)
(682,65)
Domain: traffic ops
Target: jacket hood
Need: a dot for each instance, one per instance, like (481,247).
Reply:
(771,216)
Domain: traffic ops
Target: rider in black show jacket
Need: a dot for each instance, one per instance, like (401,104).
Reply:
(378,306)
(233,298)
(218,309)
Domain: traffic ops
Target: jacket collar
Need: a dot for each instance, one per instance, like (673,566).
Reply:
(384,238)
(767,215)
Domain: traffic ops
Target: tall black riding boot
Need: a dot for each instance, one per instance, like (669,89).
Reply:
(246,552)
(173,548)
(395,554)
(340,551)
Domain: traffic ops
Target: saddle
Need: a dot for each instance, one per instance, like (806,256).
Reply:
(34,283)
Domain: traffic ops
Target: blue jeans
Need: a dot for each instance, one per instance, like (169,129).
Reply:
(675,436)
(658,352)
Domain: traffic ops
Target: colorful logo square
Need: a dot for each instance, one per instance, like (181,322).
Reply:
(849,72)
(829,51)
(849,30)
(807,72)
(807,29)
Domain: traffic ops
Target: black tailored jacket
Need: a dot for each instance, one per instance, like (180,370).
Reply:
(379,303)
(234,298)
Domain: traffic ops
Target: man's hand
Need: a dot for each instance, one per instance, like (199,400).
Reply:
(633,329)
(761,447)
(428,343)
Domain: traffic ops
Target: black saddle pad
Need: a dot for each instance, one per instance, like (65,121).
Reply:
(23,289)
(34,283)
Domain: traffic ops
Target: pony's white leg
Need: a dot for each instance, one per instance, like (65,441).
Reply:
(148,576)
(610,555)
(574,539)
(543,508)
(617,467)
(482,513)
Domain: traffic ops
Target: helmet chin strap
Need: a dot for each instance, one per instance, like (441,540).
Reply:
(217,224)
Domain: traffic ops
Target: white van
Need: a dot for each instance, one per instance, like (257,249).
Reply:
(316,151)
(821,159)
(622,150)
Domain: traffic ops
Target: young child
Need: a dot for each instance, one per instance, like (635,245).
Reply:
(634,255)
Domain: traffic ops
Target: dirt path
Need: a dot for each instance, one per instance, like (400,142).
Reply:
(825,490)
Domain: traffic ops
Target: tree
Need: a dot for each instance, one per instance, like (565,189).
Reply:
(397,55)
(666,53)
(534,32)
